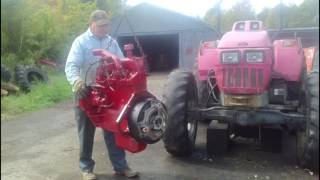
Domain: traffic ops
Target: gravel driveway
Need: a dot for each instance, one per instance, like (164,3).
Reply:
(43,145)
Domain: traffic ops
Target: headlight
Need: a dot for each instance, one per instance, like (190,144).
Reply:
(254,57)
(230,57)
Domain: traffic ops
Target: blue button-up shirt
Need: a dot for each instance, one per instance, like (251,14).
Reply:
(80,63)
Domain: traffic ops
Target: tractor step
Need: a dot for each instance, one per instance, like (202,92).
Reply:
(217,138)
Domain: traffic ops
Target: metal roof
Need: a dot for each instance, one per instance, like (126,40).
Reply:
(306,32)
(149,19)
(299,29)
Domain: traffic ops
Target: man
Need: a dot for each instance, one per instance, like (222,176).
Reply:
(80,64)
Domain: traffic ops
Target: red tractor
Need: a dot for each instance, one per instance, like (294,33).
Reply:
(247,83)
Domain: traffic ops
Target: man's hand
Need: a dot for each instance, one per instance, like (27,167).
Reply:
(80,89)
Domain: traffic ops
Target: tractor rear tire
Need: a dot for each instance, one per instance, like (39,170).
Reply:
(180,99)
(308,141)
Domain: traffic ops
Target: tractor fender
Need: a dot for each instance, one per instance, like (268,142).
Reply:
(205,61)
(288,61)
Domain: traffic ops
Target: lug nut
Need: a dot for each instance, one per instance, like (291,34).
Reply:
(145,129)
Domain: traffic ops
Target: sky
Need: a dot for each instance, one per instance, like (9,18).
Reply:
(199,7)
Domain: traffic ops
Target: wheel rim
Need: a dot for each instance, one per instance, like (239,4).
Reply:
(191,121)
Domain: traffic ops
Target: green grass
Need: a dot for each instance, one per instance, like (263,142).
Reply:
(41,96)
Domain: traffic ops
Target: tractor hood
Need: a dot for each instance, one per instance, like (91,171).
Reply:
(245,39)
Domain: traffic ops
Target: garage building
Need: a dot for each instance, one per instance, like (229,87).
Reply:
(169,39)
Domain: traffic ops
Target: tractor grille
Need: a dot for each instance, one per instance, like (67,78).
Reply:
(242,78)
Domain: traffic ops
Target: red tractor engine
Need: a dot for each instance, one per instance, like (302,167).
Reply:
(119,102)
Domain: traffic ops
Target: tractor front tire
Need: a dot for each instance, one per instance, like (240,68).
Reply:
(180,99)
(308,140)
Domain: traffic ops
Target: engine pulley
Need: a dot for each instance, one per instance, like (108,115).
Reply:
(146,120)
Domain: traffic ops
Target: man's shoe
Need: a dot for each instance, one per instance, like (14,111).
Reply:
(129,173)
(88,176)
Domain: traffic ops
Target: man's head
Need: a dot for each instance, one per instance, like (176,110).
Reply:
(99,23)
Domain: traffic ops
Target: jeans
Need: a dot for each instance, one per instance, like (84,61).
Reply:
(86,131)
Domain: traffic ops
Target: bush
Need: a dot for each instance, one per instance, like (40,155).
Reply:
(41,96)
(10,60)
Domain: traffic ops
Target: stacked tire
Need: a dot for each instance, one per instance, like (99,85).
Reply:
(26,76)
(6,75)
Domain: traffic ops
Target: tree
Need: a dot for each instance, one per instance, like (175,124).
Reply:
(213,16)
(272,19)
(11,19)
(262,16)
(304,15)
(36,28)
(210,17)
(112,7)
(242,10)
(308,13)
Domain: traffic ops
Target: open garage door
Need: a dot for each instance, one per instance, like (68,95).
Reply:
(162,50)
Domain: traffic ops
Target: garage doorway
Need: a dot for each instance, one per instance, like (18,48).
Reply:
(162,50)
